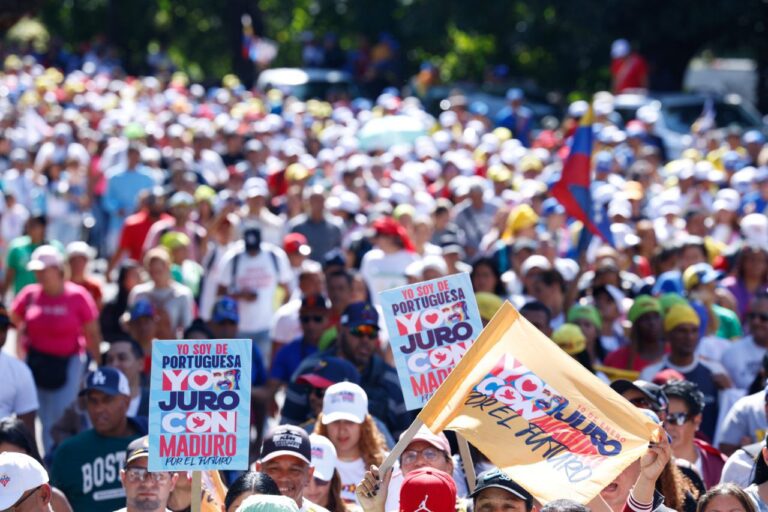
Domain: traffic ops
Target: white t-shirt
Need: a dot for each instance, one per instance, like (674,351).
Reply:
(712,348)
(258,274)
(351,473)
(286,325)
(177,300)
(18,395)
(384,271)
(738,469)
(743,360)
(212,266)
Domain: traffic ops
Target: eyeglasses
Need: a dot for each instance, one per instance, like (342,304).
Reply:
(365,331)
(318,319)
(430,455)
(25,498)
(135,475)
(676,418)
(763,317)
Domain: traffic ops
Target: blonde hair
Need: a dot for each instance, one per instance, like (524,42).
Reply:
(373,447)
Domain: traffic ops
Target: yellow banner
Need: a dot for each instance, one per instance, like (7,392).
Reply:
(213,492)
(536,413)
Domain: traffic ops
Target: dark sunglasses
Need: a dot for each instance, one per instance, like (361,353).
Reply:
(318,319)
(763,317)
(676,418)
(364,331)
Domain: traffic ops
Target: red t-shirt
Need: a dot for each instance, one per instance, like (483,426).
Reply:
(630,72)
(54,325)
(620,359)
(135,232)
(94,288)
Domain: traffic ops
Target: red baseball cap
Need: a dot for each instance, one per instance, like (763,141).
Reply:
(428,490)
(296,243)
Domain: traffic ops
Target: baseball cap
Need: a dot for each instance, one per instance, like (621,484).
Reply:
(328,371)
(137,449)
(500,480)
(44,257)
(670,281)
(570,339)
(360,313)
(287,440)
(296,243)
(80,248)
(142,308)
(585,312)
(680,314)
(654,393)
(181,198)
(224,310)
(643,305)
(700,273)
(345,401)
(439,441)
(252,236)
(19,473)
(333,258)
(427,490)
(107,380)
(323,457)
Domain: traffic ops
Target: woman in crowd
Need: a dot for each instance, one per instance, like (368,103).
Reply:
(325,487)
(15,438)
(58,320)
(726,498)
(248,484)
(749,276)
(486,277)
(358,443)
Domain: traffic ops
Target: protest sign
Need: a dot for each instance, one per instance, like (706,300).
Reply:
(536,413)
(431,325)
(200,402)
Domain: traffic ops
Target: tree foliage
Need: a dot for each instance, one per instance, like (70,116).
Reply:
(562,45)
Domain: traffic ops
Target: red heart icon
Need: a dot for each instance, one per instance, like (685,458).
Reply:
(529,386)
(200,379)
(431,318)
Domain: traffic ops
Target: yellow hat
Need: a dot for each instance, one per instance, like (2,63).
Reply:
(521,217)
(503,134)
(680,314)
(488,304)
(531,163)
(174,239)
(570,338)
(296,172)
(499,173)
(204,193)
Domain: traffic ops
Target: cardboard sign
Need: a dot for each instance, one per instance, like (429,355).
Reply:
(431,325)
(200,404)
(538,414)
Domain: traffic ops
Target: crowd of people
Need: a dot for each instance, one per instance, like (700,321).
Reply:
(136,209)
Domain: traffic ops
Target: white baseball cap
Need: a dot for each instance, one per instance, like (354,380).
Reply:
(45,256)
(345,401)
(323,457)
(19,473)
(80,248)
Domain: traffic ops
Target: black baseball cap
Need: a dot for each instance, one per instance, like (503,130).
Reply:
(653,392)
(329,371)
(497,478)
(287,440)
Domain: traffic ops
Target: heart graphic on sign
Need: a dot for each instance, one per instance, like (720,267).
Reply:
(200,379)
(431,318)
(4,480)
(529,386)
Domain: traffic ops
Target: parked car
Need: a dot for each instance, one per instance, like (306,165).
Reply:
(308,83)
(678,111)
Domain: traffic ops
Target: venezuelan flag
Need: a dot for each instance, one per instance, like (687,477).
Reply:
(573,188)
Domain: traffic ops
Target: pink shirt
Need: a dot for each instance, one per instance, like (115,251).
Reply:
(54,325)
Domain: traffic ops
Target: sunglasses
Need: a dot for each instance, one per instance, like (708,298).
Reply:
(763,317)
(318,319)
(365,331)
(140,474)
(676,418)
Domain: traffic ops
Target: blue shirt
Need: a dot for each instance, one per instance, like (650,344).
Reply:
(288,359)
(123,189)
(519,123)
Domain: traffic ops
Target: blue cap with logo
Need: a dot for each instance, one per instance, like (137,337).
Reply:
(328,371)
(225,310)
(142,308)
(107,380)
(360,313)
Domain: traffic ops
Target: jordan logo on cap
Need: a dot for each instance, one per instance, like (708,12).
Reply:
(423,505)
(4,480)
